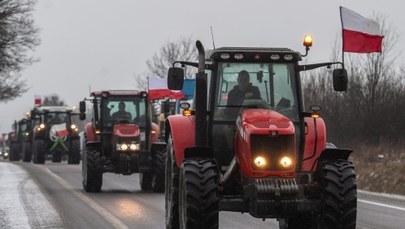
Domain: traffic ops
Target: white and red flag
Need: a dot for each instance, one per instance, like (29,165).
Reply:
(360,34)
(158,89)
(37,100)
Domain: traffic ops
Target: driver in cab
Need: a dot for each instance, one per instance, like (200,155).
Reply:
(121,113)
(243,90)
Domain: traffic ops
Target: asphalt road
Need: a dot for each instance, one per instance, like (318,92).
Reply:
(121,203)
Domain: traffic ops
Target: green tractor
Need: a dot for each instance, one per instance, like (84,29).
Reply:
(55,133)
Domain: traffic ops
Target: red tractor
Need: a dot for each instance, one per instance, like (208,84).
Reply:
(249,146)
(121,138)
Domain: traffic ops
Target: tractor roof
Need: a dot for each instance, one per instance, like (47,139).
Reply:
(117,93)
(53,109)
(251,51)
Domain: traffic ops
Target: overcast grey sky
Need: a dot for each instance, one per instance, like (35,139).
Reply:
(103,43)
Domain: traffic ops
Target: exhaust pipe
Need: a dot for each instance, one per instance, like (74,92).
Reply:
(201,99)
(229,172)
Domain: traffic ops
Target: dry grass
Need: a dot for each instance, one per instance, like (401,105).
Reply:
(380,168)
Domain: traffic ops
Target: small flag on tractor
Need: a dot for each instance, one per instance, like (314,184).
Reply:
(37,100)
(359,34)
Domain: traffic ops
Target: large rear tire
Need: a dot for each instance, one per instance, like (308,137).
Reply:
(337,179)
(198,194)
(158,182)
(171,188)
(74,152)
(27,153)
(91,170)
(39,152)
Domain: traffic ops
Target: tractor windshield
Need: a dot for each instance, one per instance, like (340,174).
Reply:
(54,118)
(123,109)
(255,85)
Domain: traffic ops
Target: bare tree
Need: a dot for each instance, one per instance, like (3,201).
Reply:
(141,81)
(182,49)
(53,100)
(18,35)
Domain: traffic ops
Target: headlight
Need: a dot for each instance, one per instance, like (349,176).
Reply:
(1,153)
(124,147)
(134,147)
(128,147)
(42,126)
(286,162)
(260,162)
(73,126)
(6,154)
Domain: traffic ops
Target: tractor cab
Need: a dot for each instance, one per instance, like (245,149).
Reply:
(256,81)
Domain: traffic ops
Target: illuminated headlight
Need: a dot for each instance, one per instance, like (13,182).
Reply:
(128,147)
(286,162)
(134,147)
(260,162)
(42,126)
(123,147)
(74,128)
(26,134)
(1,153)
(6,154)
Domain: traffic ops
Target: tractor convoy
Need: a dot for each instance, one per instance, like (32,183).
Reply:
(243,143)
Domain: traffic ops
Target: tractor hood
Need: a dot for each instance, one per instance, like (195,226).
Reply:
(126,130)
(266,121)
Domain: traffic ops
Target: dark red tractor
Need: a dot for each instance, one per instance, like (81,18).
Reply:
(253,148)
(122,139)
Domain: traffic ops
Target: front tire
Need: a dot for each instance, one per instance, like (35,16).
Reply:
(91,170)
(337,179)
(74,152)
(27,153)
(158,182)
(198,195)
(39,152)
(171,188)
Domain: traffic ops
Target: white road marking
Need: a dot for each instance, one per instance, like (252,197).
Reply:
(115,222)
(380,204)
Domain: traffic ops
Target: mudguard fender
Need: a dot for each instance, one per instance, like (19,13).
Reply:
(182,131)
(315,142)
(90,133)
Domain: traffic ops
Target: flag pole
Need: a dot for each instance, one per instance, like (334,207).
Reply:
(343,43)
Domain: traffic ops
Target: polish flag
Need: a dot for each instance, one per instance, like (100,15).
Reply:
(37,100)
(360,35)
(157,89)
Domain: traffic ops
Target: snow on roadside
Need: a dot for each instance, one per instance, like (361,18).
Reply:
(22,205)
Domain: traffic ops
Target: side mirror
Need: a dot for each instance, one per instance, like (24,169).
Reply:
(340,80)
(175,78)
(82,109)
